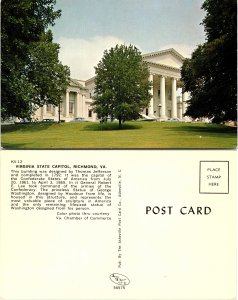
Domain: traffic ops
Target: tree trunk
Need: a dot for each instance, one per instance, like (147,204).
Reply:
(119,122)
(59,112)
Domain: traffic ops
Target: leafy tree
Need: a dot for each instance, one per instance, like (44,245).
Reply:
(48,76)
(210,74)
(122,86)
(26,50)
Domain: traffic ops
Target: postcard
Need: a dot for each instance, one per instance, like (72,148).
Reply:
(118,160)
(118,225)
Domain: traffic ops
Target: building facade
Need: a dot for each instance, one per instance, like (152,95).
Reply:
(167,99)
(75,103)
(166,102)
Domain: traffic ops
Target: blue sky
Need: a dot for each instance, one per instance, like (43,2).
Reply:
(88,27)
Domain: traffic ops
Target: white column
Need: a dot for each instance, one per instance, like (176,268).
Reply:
(67,104)
(151,106)
(43,111)
(184,102)
(174,99)
(77,108)
(94,116)
(80,104)
(83,106)
(162,97)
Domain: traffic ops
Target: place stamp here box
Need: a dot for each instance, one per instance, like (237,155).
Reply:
(214,177)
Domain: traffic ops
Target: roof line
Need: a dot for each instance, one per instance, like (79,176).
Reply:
(75,81)
(92,78)
(164,51)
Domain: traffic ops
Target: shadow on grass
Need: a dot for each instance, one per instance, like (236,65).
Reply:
(221,129)
(109,127)
(32,127)
(13,146)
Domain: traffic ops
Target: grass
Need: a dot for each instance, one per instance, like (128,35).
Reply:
(133,135)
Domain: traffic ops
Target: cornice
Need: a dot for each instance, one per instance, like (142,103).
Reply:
(162,66)
(158,53)
(75,83)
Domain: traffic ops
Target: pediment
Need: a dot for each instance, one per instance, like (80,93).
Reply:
(76,84)
(169,57)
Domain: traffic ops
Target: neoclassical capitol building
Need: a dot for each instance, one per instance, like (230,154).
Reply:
(166,102)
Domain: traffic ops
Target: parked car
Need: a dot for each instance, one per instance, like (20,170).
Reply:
(48,121)
(173,120)
(79,119)
(23,121)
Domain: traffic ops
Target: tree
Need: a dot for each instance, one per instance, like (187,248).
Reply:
(48,76)
(26,50)
(210,74)
(121,84)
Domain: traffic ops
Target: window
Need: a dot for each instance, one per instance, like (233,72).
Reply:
(158,93)
(48,108)
(90,113)
(71,107)
(169,94)
(147,111)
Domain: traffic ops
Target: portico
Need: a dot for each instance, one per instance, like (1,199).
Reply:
(164,67)
(165,103)
(74,103)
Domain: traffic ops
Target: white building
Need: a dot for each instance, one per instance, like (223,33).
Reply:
(164,67)
(165,73)
(75,103)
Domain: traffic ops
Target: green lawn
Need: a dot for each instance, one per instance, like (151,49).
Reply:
(133,135)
